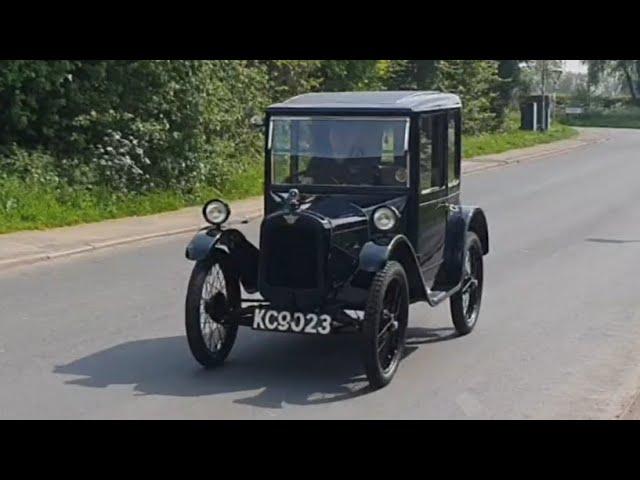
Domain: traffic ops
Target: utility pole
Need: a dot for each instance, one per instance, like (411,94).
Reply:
(588,90)
(544,103)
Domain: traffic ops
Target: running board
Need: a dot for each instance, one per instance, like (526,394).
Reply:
(436,297)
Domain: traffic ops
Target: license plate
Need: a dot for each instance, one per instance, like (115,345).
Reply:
(295,322)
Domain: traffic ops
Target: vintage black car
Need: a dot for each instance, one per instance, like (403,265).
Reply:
(362,217)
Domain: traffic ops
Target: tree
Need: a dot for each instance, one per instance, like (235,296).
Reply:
(626,70)
(509,83)
(32,98)
(535,72)
(345,75)
(412,74)
(475,81)
(571,82)
(287,78)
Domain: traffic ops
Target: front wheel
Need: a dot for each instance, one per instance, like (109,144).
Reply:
(465,304)
(212,293)
(385,324)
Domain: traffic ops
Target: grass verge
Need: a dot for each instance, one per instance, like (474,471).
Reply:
(513,138)
(27,206)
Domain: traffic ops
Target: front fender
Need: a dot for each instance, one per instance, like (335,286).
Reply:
(241,255)
(202,245)
(375,255)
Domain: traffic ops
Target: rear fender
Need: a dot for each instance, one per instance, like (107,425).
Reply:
(461,220)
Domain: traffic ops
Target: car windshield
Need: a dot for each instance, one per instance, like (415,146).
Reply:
(352,151)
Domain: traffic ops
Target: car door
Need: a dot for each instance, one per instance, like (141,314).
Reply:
(433,210)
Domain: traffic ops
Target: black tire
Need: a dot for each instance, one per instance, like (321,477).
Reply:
(384,343)
(212,351)
(464,317)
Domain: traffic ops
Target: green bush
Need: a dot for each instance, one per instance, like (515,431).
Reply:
(622,117)
(30,166)
(135,125)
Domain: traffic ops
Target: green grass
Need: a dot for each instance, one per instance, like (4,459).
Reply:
(248,184)
(620,118)
(25,206)
(513,138)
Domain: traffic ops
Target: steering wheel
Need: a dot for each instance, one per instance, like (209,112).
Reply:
(356,152)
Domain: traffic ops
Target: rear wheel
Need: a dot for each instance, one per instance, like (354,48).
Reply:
(465,305)
(385,324)
(212,293)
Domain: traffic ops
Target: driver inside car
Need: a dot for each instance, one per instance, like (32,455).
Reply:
(345,164)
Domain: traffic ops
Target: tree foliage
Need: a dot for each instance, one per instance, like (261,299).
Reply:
(135,124)
(510,82)
(412,74)
(477,83)
(627,71)
(180,124)
(537,71)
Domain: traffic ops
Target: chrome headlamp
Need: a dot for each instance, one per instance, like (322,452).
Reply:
(385,218)
(216,212)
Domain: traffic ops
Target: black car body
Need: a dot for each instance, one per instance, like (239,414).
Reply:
(355,181)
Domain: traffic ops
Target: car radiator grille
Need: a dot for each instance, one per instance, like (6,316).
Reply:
(293,257)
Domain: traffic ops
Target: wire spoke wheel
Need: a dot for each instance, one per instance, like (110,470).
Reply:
(212,294)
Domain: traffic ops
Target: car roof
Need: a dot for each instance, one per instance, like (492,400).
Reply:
(416,101)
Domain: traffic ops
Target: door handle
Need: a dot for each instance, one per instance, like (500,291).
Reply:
(449,206)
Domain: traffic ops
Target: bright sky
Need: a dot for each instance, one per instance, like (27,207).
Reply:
(575,66)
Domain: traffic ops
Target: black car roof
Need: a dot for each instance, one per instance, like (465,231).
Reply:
(416,101)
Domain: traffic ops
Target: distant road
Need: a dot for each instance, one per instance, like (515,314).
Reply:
(101,335)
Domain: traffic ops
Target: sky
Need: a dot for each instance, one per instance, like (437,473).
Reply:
(575,66)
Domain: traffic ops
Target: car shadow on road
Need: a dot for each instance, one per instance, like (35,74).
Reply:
(271,369)
(422,336)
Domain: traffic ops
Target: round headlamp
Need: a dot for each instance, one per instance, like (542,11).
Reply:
(385,219)
(216,212)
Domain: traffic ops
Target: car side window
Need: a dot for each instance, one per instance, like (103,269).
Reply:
(281,149)
(431,171)
(453,139)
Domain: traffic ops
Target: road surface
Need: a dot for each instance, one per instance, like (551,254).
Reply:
(100,335)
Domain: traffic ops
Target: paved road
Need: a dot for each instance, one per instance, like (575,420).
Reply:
(100,335)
